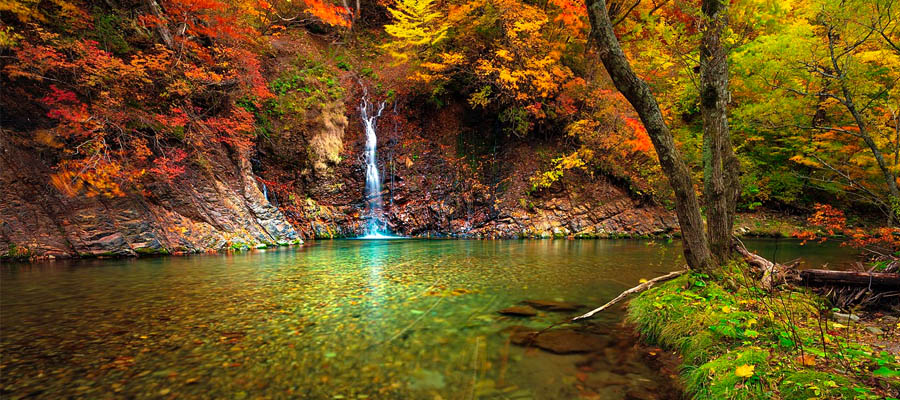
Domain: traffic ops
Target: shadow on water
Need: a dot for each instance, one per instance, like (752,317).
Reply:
(336,319)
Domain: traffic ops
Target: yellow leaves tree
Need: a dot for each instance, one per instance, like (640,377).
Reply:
(416,32)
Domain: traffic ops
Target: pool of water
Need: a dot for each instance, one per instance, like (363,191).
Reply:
(345,319)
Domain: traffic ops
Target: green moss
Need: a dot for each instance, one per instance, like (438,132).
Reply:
(239,246)
(14,252)
(149,251)
(721,325)
(813,384)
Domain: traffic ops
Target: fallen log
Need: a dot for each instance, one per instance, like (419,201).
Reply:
(637,289)
(770,270)
(824,277)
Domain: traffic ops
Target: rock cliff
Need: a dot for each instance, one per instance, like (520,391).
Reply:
(216,206)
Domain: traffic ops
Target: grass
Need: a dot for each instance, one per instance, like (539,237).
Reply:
(740,342)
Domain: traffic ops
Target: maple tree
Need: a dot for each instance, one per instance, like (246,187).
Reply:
(145,111)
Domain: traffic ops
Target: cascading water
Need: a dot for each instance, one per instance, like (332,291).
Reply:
(375,226)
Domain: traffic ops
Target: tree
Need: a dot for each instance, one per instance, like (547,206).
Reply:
(687,206)
(417,25)
(856,52)
(720,166)
(703,250)
(832,125)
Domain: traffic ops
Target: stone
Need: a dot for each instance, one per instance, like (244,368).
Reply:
(425,379)
(875,330)
(845,317)
(550,305)
(640,394)
(205,211)
(560,341)
(519,311)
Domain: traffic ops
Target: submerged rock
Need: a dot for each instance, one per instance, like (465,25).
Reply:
(519,311)
(550,305)
(560,341)
(424,379)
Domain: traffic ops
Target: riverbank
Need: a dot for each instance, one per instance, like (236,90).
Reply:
(739,342)
(813,254)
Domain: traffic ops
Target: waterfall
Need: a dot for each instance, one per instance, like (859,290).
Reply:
(375,226)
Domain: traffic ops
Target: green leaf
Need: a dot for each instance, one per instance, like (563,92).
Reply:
(886,372)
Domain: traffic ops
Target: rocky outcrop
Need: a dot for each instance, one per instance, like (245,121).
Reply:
(433,197)
(214,205)
(315,172)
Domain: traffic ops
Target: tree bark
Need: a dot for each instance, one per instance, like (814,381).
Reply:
(162,28)
(820,277)
(720,166)
(636,91)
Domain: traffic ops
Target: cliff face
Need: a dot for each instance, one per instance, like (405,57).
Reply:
(447,175)
(436,182)
(447,172)
(429,190)
(213,207)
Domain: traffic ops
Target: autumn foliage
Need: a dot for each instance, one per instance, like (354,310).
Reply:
(147,107)
(830,222)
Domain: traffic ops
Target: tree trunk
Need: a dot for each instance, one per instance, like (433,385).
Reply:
(720,166)
(687,207)
(162,27)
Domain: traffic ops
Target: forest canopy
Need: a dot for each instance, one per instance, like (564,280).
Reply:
(122,89)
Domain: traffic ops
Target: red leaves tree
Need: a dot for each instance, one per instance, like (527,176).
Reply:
(121,120)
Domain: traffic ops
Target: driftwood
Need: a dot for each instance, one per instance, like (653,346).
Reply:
(637,289)
(821,277)
(771,272)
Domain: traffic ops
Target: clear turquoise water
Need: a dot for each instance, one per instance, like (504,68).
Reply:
(335,319)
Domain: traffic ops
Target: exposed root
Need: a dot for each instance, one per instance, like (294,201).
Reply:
(773,273)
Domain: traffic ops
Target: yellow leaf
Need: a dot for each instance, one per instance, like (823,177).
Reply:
(745,371)
(642,280)
(726,309)
(808,360)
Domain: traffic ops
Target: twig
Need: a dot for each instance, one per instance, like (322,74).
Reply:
(637,289)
